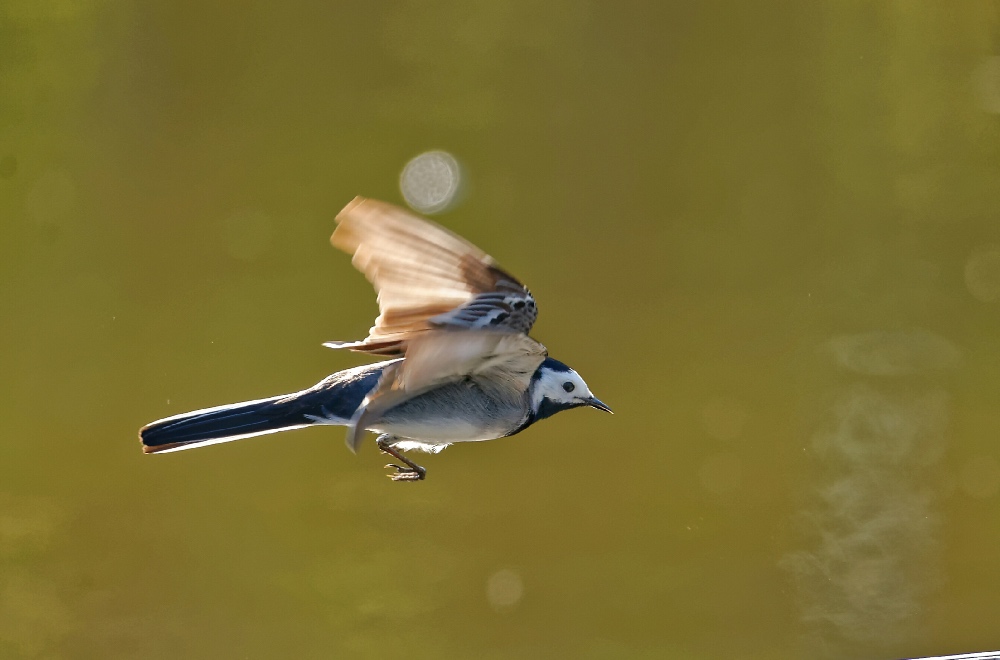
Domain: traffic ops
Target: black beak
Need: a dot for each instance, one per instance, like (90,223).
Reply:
(594,402)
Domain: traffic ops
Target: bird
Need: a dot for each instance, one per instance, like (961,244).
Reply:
(454,325)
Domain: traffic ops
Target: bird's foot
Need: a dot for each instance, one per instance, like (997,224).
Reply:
(412,471)
(415,473)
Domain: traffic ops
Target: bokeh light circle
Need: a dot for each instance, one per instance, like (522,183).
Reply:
(504,589)
(431,181)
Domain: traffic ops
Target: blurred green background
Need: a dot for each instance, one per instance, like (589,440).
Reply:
(766,234)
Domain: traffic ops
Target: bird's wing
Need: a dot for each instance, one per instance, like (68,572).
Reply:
(426,278)
(443,356)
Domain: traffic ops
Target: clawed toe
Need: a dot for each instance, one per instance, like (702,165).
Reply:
(406,474)
(412,471)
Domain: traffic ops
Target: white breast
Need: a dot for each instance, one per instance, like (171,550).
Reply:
(441,431)
(456,412)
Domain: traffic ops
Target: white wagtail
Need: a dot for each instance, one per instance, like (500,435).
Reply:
(457,325)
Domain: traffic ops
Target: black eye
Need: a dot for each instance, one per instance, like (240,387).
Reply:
(568,386)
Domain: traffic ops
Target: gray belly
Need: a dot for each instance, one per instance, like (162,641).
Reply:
(457,412)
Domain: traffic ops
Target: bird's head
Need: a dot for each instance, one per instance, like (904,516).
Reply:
(556,387)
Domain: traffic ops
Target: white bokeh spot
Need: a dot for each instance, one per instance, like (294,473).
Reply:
(504,589)
(431,181)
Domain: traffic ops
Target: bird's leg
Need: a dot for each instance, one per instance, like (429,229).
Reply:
(412,472)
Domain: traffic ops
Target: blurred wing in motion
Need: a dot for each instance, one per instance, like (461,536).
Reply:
(444,356)
(426,278)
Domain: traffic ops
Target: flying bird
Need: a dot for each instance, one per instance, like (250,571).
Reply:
(455,325)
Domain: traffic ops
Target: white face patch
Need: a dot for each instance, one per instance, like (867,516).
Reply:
(560,387)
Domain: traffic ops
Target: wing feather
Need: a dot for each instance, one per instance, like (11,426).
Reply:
(426,277)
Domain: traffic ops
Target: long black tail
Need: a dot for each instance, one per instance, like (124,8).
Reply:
(333,400)
(231,422)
